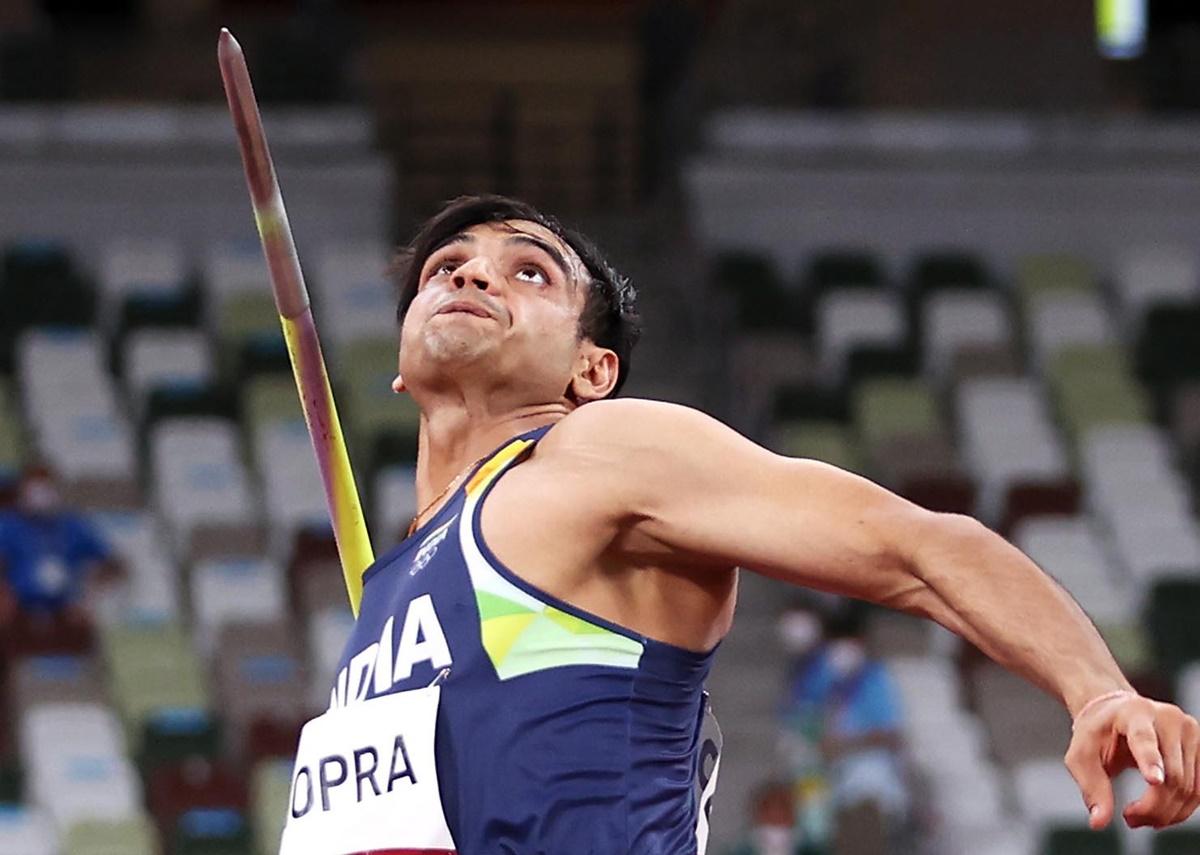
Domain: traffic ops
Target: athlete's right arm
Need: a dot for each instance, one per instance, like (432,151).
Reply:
(688,484)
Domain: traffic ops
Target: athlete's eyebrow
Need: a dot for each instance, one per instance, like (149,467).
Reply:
(548,248)
(461,237)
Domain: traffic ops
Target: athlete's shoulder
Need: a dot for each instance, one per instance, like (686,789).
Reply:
(628,424)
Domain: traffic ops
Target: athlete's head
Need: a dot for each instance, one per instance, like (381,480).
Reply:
(492,288)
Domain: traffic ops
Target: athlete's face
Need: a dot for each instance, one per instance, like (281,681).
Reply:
(502,301)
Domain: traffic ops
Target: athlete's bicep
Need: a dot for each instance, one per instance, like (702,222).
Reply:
(706,491)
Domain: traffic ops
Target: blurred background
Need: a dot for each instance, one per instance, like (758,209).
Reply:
(950,246)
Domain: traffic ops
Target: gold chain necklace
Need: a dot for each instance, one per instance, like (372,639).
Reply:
(412,526)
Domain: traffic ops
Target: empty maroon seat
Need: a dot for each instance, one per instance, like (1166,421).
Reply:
(1038,499)
(41,634)
(197,782)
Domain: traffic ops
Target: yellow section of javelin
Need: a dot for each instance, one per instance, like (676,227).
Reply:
(346,514)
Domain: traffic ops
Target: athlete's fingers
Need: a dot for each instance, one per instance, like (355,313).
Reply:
(1142,739)
(1190,742)
(1086,767)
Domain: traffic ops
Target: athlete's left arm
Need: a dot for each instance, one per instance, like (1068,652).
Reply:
(696,487)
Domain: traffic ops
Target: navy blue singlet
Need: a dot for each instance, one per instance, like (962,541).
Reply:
(557,732)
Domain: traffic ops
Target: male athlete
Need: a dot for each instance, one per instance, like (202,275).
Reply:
(526,673)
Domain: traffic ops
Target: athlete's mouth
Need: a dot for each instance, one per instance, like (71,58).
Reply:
(469,307)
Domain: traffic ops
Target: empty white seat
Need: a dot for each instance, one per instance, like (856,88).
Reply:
(954,319)
(155,357)
(198,474)
(1151,547)
(1189,688)
(854,317)
(925,683)
(1062,319)
(395,500)
(968,797)
(27,831)
(151,577)
(1047,794)
(328,632)
(1007,436)
(1148,274)
(77,762)
(235,267)
(96,444)
(144,266)
(293,494)
(356,298)
(1072,551)
(235,590)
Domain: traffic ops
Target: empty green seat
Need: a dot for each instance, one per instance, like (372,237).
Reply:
(829,442)
(890,407)
(1051,272)
(270,397)
(1171,617)
(97,837)
(243,317)
(270,789)
(212,831)
(153,667)
(1093,386)
(369,407)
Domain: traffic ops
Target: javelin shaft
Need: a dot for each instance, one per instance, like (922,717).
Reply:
(295,314)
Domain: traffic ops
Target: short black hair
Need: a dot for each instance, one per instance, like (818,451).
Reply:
(609,318)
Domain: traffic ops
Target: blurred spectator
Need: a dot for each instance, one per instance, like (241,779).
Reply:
(773,828)
(842,722)
(51,556)
(861,740)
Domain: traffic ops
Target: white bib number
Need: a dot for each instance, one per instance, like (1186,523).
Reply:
(365,779)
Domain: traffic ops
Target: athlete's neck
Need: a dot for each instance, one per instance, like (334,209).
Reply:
(454,437)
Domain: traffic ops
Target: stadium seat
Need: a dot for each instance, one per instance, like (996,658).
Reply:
(887,409)
(760,300)
(153,667)
(1065,319)
(827,441)
(356,300)
(165,357)
(1176,841)
(112,837)
(171,735)
(269,398)
(842,268)
(194,784)
(1166,351)
(1170,616)
(1081,841)
(395,500)
(982,361)
(233,590)
(199,477)
(1072,550)
(1185,420)
(40,286)
(212,831)
(851,318)
(953,320)
(1147,275)
(151,583)
(328,631)
(293,494)
(27,831)
(948,269)
(1039,498)
(77,761)
(54,679)
(244,318)
(1051,274)
(270,790)
(369,405)
(1024,724)
(1046,794)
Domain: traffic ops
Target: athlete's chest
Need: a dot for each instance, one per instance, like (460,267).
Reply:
(419,618)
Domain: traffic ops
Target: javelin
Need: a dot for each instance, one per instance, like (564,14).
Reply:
(295,313)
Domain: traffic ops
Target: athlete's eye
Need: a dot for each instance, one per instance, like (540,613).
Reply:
(529,273)
(444,268)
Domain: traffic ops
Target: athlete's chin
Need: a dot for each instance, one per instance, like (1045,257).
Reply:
(450,347)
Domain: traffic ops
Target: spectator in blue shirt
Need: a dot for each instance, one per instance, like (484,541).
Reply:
(49,555)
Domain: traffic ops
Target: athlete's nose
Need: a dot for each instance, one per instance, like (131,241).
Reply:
(475,272)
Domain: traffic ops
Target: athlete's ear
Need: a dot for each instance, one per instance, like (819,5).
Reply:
(398,385)
(595,374)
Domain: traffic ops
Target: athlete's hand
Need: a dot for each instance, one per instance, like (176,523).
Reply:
(1160,740)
